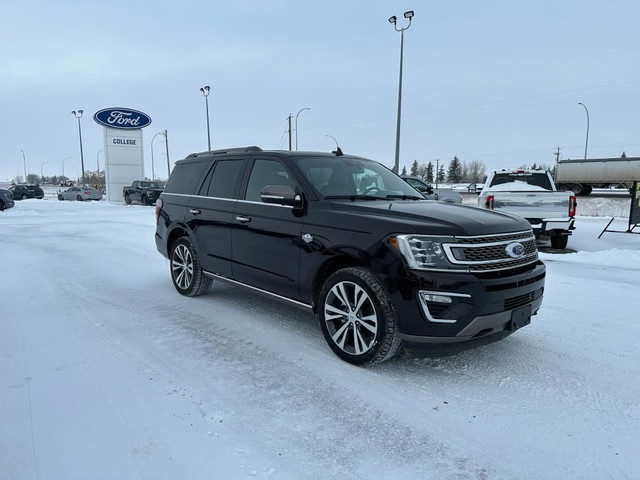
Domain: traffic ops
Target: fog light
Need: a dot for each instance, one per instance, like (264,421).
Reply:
(429,297)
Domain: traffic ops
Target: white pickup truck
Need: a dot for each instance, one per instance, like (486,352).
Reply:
(532,195)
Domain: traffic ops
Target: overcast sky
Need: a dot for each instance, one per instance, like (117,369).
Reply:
(497,81)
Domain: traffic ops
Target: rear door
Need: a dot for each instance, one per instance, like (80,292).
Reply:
(266,237)
(210,214)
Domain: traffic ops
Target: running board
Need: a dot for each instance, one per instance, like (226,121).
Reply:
(295,303)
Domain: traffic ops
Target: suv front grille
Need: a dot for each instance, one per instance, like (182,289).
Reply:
(490,253)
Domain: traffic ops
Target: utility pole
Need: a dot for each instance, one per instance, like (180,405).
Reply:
(437,171)
(289,118)
(555,170)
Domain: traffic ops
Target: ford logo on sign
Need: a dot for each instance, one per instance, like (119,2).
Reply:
(122,118)
(515,249)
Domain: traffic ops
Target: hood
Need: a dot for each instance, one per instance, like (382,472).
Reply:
(431,217)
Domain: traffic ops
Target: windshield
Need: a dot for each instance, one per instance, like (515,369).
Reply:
(151,185)
(354,178)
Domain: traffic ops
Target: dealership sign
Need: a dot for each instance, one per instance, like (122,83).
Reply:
(124,118)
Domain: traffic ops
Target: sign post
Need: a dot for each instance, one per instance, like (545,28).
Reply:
(123,148)
(634,212)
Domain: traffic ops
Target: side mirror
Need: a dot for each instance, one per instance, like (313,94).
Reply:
(280,195)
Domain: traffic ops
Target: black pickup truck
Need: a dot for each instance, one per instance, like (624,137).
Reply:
(349,240)
(142,191)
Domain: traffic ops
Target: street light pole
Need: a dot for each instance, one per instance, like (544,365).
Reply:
(24,164)
(586,142)
(41,174)
(153,171)
(166,145)
(78,115)
(65,158)
(301,110)
(408,15)
(205,92)
(334,139)
(98,165)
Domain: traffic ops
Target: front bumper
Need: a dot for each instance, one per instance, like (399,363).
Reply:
(455,311)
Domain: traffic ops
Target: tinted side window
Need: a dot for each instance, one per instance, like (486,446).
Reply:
(266,172)
(185,177)
(224,180)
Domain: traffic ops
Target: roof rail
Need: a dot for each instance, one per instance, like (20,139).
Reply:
(251,148)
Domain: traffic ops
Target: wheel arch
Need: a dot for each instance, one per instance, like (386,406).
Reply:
(336,262)
(177,231)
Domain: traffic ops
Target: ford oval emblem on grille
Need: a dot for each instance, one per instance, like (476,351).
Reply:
(515,250)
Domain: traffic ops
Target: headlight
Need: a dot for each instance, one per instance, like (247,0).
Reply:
(424,252)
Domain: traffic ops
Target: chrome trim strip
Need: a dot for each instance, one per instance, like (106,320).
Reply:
(228,199)
(425,307)
(494,234)
(295,303)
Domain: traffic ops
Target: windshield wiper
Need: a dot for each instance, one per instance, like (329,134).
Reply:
(405,197)
(353,197)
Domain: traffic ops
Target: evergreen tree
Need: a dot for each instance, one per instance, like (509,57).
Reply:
(441,175)
(624,155)
(404,170)
(429,178)
(454,175)
(414,168)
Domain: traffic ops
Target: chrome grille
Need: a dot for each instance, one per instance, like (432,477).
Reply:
(489,253)
(507,237)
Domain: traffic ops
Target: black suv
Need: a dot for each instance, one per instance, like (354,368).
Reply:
(22,192)
(346,238)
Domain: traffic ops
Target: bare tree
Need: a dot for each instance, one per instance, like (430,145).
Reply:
(477,171)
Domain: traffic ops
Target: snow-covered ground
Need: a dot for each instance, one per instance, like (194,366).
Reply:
(107,373)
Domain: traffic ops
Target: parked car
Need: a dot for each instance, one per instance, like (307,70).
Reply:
(23,192)
(428,192)
(6,199)
(346,238)
(145,192)
(80,194)
(532,194)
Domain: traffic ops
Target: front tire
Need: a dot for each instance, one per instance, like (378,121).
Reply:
(127,199)
(357,317)
(559,241)
(60,197)
(79,198)
(24,197)
(186,273)
(145,200)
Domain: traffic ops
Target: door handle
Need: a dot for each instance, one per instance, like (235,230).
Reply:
(195,211)
(242,219)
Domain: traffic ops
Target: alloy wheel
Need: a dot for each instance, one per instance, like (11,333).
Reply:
(350,318)
(182,266)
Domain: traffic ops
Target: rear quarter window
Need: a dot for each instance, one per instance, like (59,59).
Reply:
(185,177)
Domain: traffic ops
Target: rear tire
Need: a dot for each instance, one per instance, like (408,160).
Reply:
(2,207)
(186,273)
(559,241)
(357,317)
(24,197)
(60,197)
(145,200)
